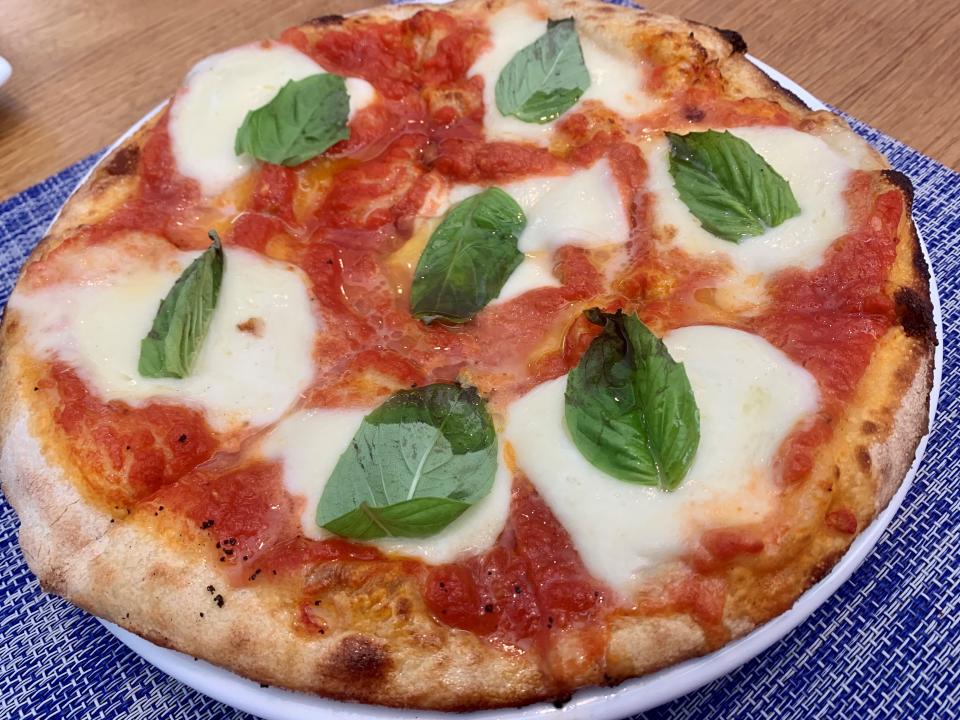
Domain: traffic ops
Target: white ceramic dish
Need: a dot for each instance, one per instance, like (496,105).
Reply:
(631,697)
(5,70)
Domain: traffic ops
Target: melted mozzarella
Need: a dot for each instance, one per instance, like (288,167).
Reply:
(309,443)
(240,378)
(219,92)
(614,81)
(534,271)
(750,396)
(583,208)
(817,175)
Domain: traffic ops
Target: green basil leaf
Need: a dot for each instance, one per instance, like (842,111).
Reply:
(171,347)
(728,187)
(546,78)
(629,406)
(409,518)
(303,120)
(413,467)
(468,258)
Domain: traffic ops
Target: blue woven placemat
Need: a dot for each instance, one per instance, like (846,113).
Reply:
(886,645)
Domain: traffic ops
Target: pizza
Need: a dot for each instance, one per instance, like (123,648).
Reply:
(462,357)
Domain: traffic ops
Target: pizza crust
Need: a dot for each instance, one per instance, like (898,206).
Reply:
(153,578)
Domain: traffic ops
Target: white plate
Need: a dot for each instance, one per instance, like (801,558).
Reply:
(5,70)
(631,697)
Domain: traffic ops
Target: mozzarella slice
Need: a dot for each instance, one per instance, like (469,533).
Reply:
(217,95)
(584,208)
(535,271)
(615,82)
(818,176)
(750,396)
(310,442)
(255,360)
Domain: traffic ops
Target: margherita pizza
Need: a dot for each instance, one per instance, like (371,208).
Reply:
(460,357)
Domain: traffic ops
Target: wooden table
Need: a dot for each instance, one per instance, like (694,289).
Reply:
(85,71)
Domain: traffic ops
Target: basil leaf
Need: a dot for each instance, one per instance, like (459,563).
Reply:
(546,78)
(413,467)
(468,258)
(171,347)
(303,120)
(728,187)
(629,406)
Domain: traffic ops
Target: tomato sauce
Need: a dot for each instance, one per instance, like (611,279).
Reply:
(253,519)
(530,584)
(129,452)
(829,319)
(165,202)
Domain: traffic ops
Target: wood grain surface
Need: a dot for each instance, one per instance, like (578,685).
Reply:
(84,71)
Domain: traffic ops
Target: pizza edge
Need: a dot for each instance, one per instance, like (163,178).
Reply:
(151,577)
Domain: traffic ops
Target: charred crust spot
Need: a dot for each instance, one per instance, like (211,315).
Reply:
(863,459)
(324,20)
(919,261)
(694,114)
(869,427)
(901,182)
(125,161)
(781,89)
(560,702)
(915,315)
(358,659)
(737,44)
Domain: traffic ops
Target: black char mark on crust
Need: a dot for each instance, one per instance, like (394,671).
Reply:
(359,659)
(914,309)
(898,179)
(322,20)
(737,44)
(789,93)
(915,315)
(124,161)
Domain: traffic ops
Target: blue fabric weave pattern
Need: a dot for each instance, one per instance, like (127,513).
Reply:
(886,645)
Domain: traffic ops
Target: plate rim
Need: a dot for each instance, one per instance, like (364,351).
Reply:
(597,703)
